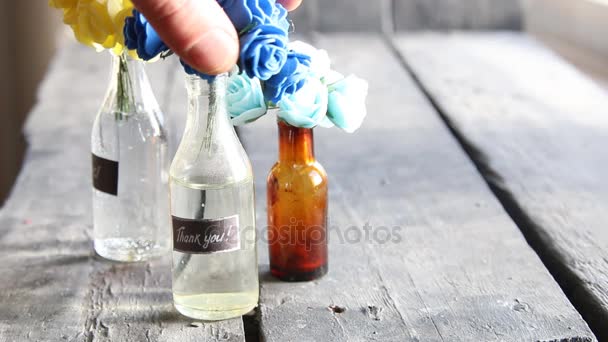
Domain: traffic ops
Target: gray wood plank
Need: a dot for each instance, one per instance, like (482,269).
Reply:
(459,268)
(457,15)
(52,286)
(407,15)
(351,16)
(343,16)
(539,130)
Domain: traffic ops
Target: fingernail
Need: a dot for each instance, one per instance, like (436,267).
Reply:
(214,53)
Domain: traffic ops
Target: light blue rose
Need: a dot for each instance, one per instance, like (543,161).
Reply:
(245,99)
(307,107)
(346,103)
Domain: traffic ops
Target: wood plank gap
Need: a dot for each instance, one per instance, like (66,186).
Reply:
(251,324)
(591,311)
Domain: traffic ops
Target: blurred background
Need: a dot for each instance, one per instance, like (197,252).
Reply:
(576,29)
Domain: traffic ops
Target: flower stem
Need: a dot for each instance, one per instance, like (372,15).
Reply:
(124,89)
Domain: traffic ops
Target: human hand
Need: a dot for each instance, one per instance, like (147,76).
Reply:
(198,31)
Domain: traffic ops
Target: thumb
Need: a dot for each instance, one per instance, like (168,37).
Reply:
(196,30)
(290,5)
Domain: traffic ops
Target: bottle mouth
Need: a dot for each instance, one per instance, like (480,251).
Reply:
(199,86)
(222,75)
(196,85)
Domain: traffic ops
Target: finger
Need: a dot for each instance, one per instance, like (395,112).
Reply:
(290,5)
(196,30)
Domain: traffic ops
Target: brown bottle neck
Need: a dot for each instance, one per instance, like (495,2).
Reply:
(296,145)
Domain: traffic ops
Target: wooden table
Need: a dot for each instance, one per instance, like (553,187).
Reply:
(485,151)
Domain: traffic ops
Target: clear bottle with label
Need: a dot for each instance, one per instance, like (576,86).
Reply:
(130,169)
(215,274)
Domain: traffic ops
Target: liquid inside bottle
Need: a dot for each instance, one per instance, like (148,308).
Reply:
(218,285)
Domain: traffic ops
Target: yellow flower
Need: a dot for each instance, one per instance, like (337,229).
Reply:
(119,10)
(70,16)
(96,23)
(115,7)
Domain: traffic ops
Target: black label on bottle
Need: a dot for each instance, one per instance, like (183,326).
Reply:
(105,175)
(206,236)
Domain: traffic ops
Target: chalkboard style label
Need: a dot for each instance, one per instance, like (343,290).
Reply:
(206,236)
(105,175)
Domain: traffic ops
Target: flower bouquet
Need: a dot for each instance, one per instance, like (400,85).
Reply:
(293,77)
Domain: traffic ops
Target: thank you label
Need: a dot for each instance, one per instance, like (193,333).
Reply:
(105,175)
(206,236)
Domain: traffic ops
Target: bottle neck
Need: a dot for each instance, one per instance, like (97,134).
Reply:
(207,110)
(209,154)
(129,90)
(296,145)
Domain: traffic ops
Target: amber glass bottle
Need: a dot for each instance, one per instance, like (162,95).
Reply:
(297,208)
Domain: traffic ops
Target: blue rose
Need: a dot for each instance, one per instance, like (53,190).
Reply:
(279,18)
(245,99)
(246,14)
(346,103)
(306,108)
(191,71)
(140,36)
(290,79)
(263,51)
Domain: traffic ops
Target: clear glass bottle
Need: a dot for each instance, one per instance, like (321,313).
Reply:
(130,169)
(215,274)
(297,208)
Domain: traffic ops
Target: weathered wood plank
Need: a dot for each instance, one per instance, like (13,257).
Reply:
(407,15)
(457,15)
(351,16)
(52,286)
(539,131)
(456,269)
(342,16)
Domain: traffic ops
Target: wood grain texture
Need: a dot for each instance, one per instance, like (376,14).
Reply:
(351,16)
(407,15)
(52,286)
(412,15)
(456,268)
(343,16)
(539,130)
